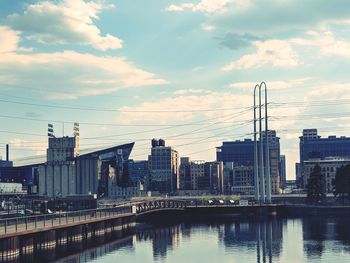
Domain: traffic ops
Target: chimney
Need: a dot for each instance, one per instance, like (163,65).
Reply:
(7,152)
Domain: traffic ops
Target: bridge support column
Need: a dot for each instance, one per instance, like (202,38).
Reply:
(99,232)
(9,249)
(27,247)
(75,237)
(45,245)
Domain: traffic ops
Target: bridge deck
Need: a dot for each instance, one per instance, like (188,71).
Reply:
(32,224)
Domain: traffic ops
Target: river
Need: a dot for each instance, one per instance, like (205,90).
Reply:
(298,240)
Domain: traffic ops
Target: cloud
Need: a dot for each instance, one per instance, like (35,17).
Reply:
(207,6)
(273,16)
(184,107)
(190,91)
(78,74)
(237,41)
(207,27)
(271,84)
(278,53)
(325,41)
(8,40)
(330,91)
(64,22)
(38,147)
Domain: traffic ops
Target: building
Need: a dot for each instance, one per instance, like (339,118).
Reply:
(329,168)
(57,177)
(239,154)
(66,173)
(185,174)
(27,175)
(283,171)
(138,172)
(101,170)
(275,157)
(215,171)
(163,167)
(6,162)
(243,180)
(312,146)
(298,176)
(201,176)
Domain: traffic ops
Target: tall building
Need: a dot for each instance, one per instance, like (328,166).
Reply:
(241,154)
(163,167)
(57,177)
(312,146)
(283,172)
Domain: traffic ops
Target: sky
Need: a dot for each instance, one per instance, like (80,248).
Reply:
(184,71)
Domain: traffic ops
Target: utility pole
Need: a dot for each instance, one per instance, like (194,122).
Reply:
(262,176)
(256,161)
(262,167)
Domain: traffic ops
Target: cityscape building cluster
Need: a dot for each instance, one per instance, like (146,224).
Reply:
(110,173)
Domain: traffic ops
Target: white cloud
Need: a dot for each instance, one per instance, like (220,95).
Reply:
(64,22)
(326,42)
(330,91)
(207,6)
(278,53)
(183,108)
(271,84)
(208,27)
(38,147)
(8,40)
(81,74)
(190,91)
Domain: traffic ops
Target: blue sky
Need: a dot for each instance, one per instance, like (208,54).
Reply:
(180,70)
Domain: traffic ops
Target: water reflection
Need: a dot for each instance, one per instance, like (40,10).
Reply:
(162,238)
(276,240)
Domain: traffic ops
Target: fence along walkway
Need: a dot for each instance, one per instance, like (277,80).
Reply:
(40,222)
(47,221)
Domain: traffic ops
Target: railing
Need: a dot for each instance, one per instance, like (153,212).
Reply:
(159,204)
(18,224)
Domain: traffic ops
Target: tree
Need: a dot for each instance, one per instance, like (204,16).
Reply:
(316,186)
(341,183)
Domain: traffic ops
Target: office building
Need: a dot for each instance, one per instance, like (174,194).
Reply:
(313,147)
(329,168)
(241,154)
(163,167)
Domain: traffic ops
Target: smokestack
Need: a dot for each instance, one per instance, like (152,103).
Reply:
(7,152)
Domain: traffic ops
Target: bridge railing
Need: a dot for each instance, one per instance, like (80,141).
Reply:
(26,223)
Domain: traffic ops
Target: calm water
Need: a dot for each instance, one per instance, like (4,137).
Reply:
(278,240)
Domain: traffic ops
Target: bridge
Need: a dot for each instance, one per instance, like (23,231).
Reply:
(24,236)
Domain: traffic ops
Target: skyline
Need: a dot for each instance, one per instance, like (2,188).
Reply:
(120,62)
